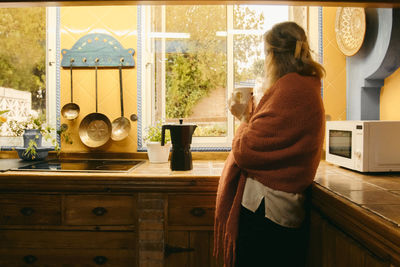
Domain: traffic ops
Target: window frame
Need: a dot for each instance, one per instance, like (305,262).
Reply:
(146,68)
(52,78)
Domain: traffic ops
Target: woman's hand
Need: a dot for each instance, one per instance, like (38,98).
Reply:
(240,110)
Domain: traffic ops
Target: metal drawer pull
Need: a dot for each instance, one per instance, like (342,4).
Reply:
(168,250)
(27,211)
(100,260)
(197,212)
(99,211)
(29,259)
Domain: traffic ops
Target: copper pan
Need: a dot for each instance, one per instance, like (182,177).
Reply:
(71,110)
(120,126)
(95,128)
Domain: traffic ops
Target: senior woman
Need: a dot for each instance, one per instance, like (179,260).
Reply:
(260,210)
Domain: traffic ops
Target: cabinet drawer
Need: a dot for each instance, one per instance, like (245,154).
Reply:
(30,209)
(67,257)
(99,210)
(191,209)
(12,239)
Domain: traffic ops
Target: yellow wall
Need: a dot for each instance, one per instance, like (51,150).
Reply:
(121,23)
(335,65)
(390,97)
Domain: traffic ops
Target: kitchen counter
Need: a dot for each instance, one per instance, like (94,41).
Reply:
(147,176)
(364,206)
(375,193)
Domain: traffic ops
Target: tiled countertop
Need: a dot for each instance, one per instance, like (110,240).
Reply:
(378,193)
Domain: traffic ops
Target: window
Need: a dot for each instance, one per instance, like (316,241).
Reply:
(191,59)
(28,65)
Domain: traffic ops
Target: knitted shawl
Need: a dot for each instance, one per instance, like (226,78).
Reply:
(280,147)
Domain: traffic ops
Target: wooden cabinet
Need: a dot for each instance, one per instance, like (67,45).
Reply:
(331,247)
(68,230)
(29,209)
(189,240)
(99,210)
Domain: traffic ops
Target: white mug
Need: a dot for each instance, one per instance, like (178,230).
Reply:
(239,101)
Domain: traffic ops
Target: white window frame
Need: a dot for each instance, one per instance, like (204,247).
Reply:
(52,80)
(52,69)
(147,91)
(147,87)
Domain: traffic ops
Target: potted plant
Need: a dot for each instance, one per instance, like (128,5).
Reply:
(156,152)
(33,129)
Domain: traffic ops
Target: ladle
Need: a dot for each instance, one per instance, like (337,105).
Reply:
(71,110)
(120,126)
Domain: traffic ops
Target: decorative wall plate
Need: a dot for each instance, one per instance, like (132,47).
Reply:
(350,29)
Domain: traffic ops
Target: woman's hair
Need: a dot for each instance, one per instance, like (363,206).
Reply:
(287,50)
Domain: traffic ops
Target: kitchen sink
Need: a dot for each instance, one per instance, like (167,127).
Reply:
(82,165)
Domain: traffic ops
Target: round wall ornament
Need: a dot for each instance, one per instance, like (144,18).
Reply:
(350,27)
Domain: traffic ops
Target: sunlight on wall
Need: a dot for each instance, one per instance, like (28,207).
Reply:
(390,97)
(121,23)
(335,65)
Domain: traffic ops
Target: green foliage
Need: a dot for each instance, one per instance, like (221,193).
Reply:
(203,56)
(17,128)
(23,51)
(30,151)
(64,134)
(210,130)
(185,85)
(153,133)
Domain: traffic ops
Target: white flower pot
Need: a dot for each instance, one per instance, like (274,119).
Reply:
(158,153)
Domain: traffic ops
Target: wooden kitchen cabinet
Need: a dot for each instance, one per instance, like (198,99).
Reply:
(189,229)
(68,230)
(329,246)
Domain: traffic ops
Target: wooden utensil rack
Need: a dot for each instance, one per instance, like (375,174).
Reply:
(98,49)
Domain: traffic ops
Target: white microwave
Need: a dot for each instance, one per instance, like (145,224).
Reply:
(365,146)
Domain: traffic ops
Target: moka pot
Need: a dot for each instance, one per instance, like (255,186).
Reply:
(181,138)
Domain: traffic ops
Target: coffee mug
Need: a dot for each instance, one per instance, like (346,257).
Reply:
(239,100)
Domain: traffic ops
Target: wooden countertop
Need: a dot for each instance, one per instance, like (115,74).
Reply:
(145,177)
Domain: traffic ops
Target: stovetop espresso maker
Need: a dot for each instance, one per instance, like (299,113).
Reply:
(181,136)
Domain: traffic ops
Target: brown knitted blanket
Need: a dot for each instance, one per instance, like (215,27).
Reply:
(280,147)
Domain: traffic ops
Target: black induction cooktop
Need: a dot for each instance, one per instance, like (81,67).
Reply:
(82,165)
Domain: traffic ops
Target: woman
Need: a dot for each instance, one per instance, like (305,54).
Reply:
(260,210)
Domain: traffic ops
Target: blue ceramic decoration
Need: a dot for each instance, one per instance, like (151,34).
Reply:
(98,49)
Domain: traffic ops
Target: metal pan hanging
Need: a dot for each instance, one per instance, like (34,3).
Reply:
(95,128)
(120,126)
(71,110)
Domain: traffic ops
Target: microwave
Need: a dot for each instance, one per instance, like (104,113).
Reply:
(364,146)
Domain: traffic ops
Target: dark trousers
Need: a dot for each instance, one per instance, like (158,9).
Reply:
(261,242)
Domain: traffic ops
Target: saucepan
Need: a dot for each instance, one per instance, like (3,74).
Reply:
(95,128)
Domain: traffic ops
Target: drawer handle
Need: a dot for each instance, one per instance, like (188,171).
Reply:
(168,250)
(29,259)
(197,212)
(99,211)
(100,260)
(27,211)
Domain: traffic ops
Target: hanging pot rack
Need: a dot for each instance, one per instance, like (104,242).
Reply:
(98,49)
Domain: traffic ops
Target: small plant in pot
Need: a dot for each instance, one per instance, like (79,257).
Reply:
(33,129)
(156,152)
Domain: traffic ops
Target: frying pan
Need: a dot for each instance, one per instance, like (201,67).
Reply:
(120,126)
(95,128)
(71,110)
